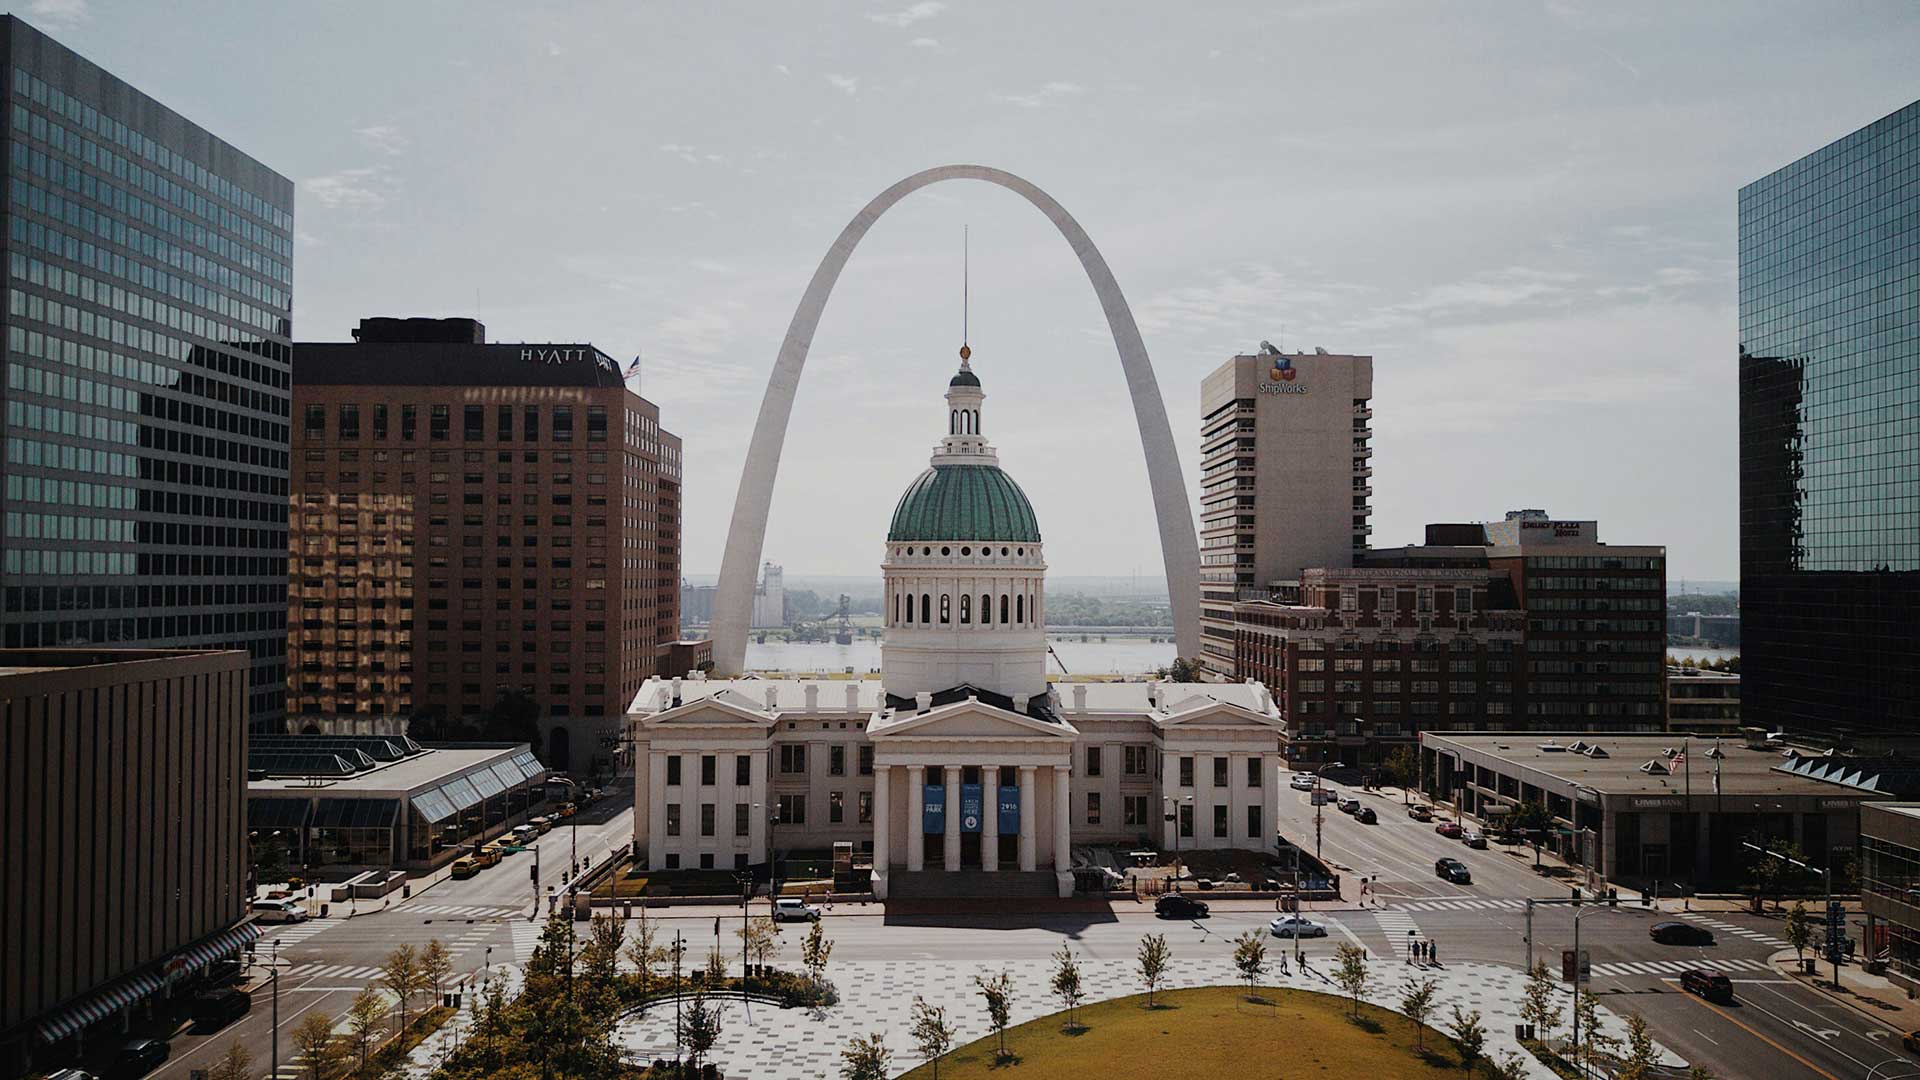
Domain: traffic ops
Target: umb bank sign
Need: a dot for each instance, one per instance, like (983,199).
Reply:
(1282,378)
(567,356)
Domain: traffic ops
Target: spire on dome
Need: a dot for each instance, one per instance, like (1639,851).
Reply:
(965,376)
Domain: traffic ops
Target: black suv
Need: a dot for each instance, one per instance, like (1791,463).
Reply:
(1453,870)
(139,1057)
(1708,984)
(1179,906)
(1680,933)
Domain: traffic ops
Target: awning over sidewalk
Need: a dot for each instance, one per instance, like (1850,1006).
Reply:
(96,1006)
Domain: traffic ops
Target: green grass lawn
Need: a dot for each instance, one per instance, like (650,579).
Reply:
(1212,1031)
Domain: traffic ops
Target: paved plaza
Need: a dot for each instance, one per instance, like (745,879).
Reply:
(800,1044)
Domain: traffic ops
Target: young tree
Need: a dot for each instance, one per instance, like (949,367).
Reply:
(1593,1041)
(645,953)
(815,949)
(401,972)
(998,995)
(1641,1057)
(600,956)
(699,1027)
(1700,1072)
(1799,929)
(436,966)
(715,972)
(1468,1035)
(1530,818)
(1403,768)
(235,1064)
(270,862)
(867,1059)
(931,1032)
(761,939)
(1154,956)
(1066,982)
(1250,959)
(365,1017)
(1351,975)
(1416,1000)
(314,1038)
(1541,1008)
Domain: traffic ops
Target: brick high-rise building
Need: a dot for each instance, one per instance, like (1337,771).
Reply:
(475,520)
(1285,480)
(149,291)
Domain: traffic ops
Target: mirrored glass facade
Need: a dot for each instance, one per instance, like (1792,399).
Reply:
(1830,435)
(149,289)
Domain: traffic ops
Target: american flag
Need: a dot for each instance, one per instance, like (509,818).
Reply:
(1680,760)
(633,369)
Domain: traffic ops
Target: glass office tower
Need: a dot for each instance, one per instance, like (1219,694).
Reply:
(1830,436)
(149,287)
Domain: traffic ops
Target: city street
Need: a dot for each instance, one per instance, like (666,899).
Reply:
(1776,1028)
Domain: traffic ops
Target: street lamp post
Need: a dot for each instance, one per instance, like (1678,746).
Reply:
(1833,946)
(273,978)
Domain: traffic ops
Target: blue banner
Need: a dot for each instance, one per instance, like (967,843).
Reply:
(1010,810)
(972,805)
(933,812)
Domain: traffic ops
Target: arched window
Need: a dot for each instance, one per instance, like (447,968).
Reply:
(896,608)
(926,608)
(946,609)
(1020,610)
(976,421)
(966,607)
(986,610)
(953,422)
(1003,607)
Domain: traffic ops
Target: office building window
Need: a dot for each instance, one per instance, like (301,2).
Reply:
(743,770)
(1134,811)
(1093,761)
(836,807)
(673,770)
(1186,821)
(1220,772)
(1253,823)
(866,760)
(673,860)
(709,766)
(793,759)
(1186,772)
(866,808)
(673,819)
(706,819)
(1256,770)
(793,809)
(1220,822)
(836,760)
(1134,760)
(742,819)
(1093,808)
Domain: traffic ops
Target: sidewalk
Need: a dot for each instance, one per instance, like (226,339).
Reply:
(1873,996)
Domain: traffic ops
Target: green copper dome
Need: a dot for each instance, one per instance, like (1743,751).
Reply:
(965,502)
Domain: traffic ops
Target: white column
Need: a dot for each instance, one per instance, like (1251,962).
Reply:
(1203,795)
(1270,817)
(656,810)
(1062,818)
(759,806)
(952,860)
(882,835)
(1238,798)
(1028,861)
(642,798)
(916,804)
(990,817)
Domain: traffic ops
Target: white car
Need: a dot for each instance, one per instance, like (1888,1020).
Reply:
(1296,926)
(793,909)
(1302,781)
(276,911)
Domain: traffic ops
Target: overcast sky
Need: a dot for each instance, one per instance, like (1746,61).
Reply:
(1524,212)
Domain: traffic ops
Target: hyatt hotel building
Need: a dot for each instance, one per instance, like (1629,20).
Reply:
(149,285)
(472,520)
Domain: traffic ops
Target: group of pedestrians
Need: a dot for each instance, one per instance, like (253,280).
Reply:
(1423,953)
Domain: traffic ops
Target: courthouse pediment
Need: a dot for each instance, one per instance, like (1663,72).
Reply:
(1201,711)
(719,710)
(967,720)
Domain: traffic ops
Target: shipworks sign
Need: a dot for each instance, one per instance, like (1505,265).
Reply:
(1282,378)
(553,357)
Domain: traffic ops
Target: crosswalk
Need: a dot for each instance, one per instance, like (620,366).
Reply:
(1471,904)
(462,911)
(295,933)
(1626,968)
(1398,926)
(346,972)
(526,937)
(1724,927)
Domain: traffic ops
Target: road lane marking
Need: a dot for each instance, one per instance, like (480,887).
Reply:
(1818,1033)
(1742,1026)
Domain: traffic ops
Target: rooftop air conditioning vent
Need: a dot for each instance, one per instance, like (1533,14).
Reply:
(1654,768)
(1597,751)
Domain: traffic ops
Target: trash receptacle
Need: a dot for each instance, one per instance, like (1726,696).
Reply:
(323,911)
(1807,967)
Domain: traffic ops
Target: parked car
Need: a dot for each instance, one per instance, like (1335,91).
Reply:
(1179,906)
(794,909)
(1289,926)
(1449,829)
(1323,796)
(463,867)
(278,911)
(1708,984)
(1451,869)
(524,834)
(567,810)
(1911,1041)
(140,1057)
(1366,815)
(1473,838)
(1302,781)
(1680,933)
(542,823)
(1419,813)
(71,1074)
(503,847)
(220,1007)
(1349,804)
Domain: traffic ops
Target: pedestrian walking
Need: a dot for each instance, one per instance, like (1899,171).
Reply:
(1412,944)
(1433,954)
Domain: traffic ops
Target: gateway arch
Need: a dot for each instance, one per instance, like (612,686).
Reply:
(733,600)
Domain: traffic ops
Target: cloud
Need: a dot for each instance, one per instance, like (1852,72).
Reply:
(383,137)
(925,43)
(848,83)
(1048,94)
(60,13)
(351,189)
(554,49)
(912,13)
